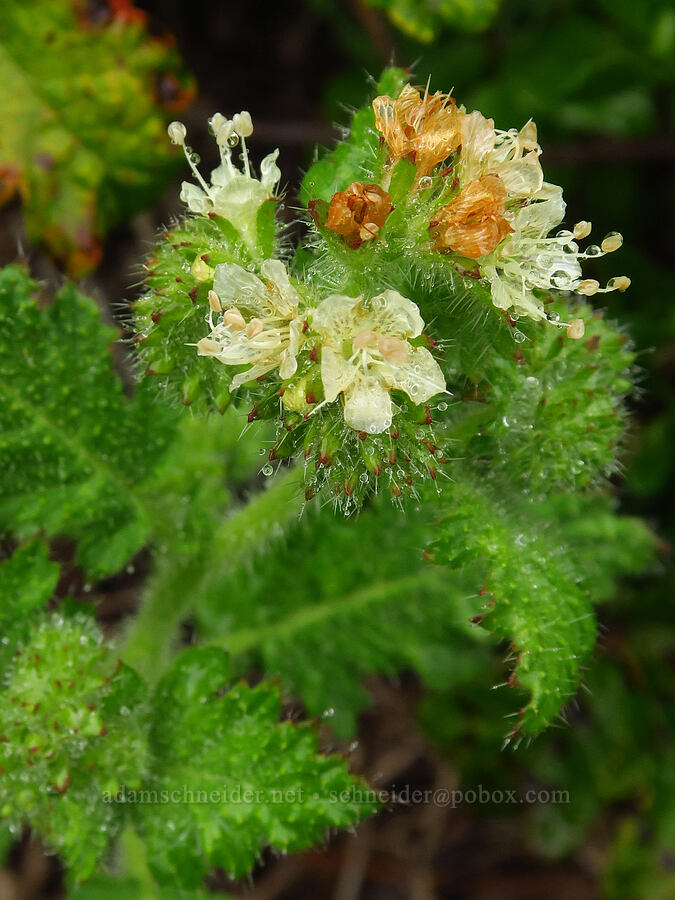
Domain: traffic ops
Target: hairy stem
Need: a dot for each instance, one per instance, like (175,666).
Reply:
(151,640)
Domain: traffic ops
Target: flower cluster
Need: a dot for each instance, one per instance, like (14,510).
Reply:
(332,345)
(501,211)
(360,345)
(232,193)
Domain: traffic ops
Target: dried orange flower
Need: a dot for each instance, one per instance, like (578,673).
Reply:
(359,212)
(473,222)
(422,127)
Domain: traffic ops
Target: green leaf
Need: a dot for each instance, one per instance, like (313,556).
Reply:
(253,781)
(553,411)
(361,598)
(423,19)
(75,450)
(355,158)
(27,581)
(107,888)
(539,572)
(72,736)
(85,105)
(170,316)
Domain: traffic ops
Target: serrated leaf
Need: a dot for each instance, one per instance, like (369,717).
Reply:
(75,451)
(86,99)
(254,781)
(539,574)
(361,598)
(27,581)
(72,735)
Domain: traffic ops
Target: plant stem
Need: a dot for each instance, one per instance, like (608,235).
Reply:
(150,643)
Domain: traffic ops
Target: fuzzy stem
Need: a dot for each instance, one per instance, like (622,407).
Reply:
(150,642)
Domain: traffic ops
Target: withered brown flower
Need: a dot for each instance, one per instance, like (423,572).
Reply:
(358,213)
(473,222)
(424,128)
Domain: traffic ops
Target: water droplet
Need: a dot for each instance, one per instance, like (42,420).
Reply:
(363,477)
(519,337)
(561,278)
(328,713)
(267,470)
(233,140)
(593,250)
(425,182)
(553,317)
(442,406)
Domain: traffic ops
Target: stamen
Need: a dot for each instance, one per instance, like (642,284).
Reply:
(618,283)
(254,327)
(576,329)
(588,287)
(611,242)
(177,133)
(233,319)
(207,347)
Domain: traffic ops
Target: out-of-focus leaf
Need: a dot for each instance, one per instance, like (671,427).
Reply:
(423,19)
(72,731)
(27,580)
(85,101)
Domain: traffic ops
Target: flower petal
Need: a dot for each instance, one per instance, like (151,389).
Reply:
(275,271)
(522,177)
(336,373)
(335,317)
(237,287)
(195,198)
(421,377)
(368,406)
(394,315)
(270,174)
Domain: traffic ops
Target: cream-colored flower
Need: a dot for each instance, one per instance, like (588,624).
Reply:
(258,323)
(512,155)
(530,260)
(366,352)
(236,195)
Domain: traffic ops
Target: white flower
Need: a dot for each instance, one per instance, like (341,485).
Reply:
(258,321)
(366,352)
(513,155)
(236,195)
(529,260)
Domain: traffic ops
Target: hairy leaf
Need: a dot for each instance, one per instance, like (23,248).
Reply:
(27,580)
(71,719)
(75,450)
(85,102)
(362,599)
(540,573)
(252,781)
